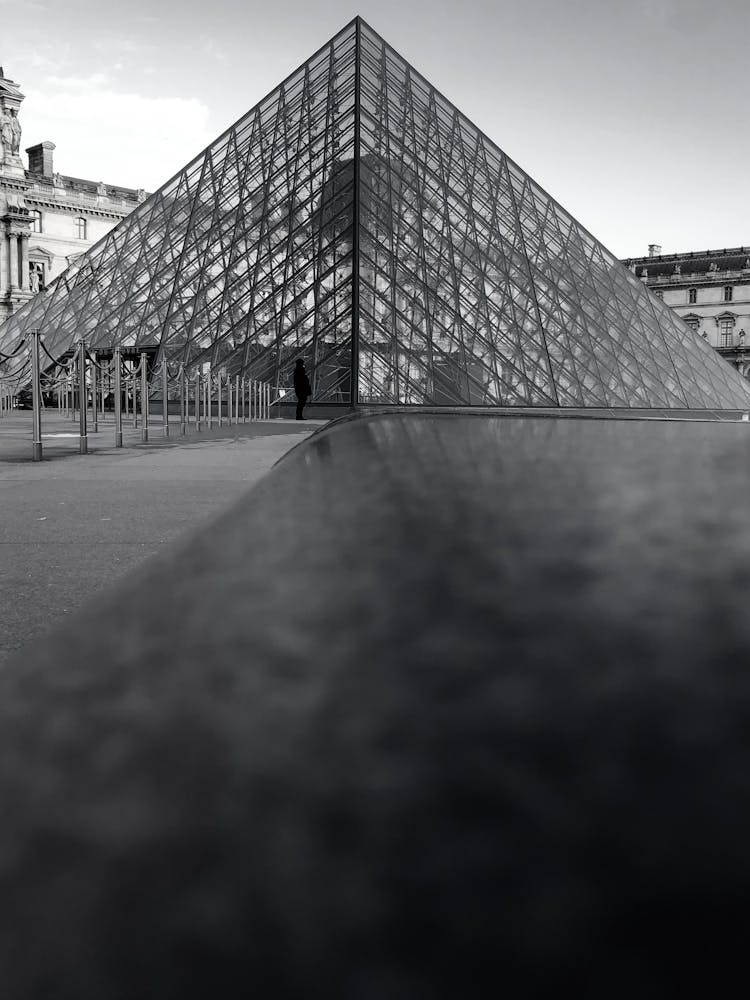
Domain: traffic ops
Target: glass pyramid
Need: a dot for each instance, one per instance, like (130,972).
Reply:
(357,219)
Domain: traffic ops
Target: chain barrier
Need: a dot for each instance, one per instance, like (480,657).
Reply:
(205,396)
(9,383)
(7,357)
(92,358)
(55,361)
(21,372)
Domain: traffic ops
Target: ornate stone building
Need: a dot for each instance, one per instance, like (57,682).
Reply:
(709,290)
(47,219)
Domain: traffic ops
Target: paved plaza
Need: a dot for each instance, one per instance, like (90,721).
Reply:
(72,525)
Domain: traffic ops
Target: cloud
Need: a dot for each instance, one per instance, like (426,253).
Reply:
(27,59)
(125,139)
(672,14)
(28,5)
(212,49)
(77,83)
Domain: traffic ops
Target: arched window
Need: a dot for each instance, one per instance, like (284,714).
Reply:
(81,227)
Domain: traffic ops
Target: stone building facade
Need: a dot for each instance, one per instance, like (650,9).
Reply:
(709,290)
(47,219)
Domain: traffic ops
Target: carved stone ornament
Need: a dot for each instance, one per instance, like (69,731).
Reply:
(16,129)
(6,135)
(10,126)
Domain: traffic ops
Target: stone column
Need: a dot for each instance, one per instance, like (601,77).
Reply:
(4,252)
(12,259)
(23,242)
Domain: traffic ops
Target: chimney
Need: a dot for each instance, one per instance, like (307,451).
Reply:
(40,158)
(654,250)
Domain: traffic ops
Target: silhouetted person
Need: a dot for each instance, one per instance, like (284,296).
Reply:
(301,387)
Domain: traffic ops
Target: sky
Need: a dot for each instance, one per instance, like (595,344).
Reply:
(632,115)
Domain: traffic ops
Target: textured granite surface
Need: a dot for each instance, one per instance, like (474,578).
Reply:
(445,706)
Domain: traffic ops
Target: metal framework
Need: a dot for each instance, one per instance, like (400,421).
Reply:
(357,219)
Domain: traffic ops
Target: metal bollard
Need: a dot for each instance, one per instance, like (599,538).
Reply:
(144,397)
(134,397)
(164,399)
(73,377)
(118,398)
(36,444)
(183,400)
(83,440)
(94,420)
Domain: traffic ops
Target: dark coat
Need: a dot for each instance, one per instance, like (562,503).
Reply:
(301,383)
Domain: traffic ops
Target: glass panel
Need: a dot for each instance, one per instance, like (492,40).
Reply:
(474,286)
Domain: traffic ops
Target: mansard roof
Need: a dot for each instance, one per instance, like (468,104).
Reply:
(79,184)
(701,262)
